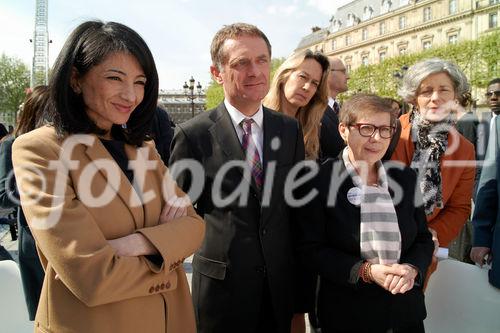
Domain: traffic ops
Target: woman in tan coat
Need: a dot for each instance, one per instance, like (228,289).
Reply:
(111,227)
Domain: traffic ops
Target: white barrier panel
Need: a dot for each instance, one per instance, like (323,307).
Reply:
(459,299)
(13,310)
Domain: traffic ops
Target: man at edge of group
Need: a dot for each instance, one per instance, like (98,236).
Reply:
(486,219)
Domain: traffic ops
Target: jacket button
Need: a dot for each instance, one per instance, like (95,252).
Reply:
(264,231)
(151,290)
(167,285)
(162,286)
(157,289)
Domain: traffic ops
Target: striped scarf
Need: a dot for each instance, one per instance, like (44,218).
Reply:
(380,237)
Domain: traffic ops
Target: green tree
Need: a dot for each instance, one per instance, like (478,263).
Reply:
(215,94)
(14,80)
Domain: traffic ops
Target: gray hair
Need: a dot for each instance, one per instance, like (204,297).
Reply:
(421,70)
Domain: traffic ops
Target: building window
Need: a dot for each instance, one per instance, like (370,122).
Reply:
(381,28)
(348,68)
(494,2)
(402,50)
(402,22)
(347,40)
(453,6)
(350,20)
(426,44)
(334,44)
(427,14)
(386,6)
(367,13)
(453,39)
(381,56)
(364,60)
(364,34)
(493,20)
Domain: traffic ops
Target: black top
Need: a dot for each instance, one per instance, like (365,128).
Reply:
(329,244)
(117,150)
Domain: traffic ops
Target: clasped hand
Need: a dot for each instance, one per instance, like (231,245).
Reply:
(395,278)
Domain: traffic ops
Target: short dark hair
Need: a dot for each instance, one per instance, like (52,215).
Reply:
(494,81)
(232,31)
(87,46)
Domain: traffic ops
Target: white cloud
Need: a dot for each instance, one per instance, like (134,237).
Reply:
(327,7)
(282,10)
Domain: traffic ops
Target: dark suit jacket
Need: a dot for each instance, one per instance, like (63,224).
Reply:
(330,246)
(331,143)
(486,219)
(32,273)
(162,131)
(246,246)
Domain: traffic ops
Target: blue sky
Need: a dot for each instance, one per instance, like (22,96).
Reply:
(178,32)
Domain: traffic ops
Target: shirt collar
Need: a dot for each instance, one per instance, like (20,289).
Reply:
(237,117)
(331,101)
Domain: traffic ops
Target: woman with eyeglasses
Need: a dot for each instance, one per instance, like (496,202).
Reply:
(363,232)
(431,145)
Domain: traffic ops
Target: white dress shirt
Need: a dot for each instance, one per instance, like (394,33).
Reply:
(257,126)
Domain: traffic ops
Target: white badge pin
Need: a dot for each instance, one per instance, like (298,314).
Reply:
(354,196)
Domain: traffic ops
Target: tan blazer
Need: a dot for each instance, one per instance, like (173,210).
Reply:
(457,178)
(87,286)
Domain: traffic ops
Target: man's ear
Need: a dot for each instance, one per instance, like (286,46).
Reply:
(216,74)
(74,81)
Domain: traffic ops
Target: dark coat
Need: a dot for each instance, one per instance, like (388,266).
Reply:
(162,130)
(486,219)
(247,248)
(331,143)
(32,273)
(330,246)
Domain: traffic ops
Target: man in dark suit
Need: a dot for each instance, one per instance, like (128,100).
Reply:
(486,118)
(486,219)
(243,272)
(330,141)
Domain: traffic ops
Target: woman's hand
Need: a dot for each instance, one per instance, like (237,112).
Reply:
(175,207)
(435,240)
(133,245)
(403,282)
(380,273)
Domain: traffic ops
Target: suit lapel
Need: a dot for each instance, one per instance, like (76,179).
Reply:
(124,190)
(272,125)
(272,129)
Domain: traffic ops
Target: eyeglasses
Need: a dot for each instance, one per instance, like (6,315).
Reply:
(491,93)
(367,130)
(338,70)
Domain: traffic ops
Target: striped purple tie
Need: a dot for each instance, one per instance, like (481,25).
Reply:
(251,152)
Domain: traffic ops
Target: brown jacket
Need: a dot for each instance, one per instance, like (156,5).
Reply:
(457,178)
(87,286)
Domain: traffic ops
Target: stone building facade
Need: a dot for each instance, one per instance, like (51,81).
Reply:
(367,31)
(179,107)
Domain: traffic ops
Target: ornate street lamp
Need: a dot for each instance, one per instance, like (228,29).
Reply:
(189,92)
